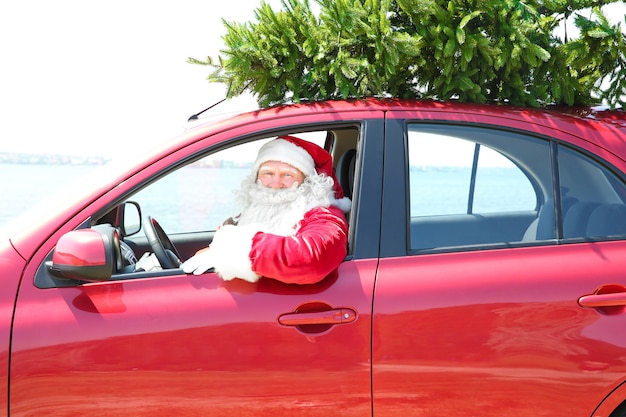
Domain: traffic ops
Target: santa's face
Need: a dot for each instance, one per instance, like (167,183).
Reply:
(273,210)
(274,174)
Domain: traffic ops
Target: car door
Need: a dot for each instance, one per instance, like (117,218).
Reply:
(168,343)
(478,307)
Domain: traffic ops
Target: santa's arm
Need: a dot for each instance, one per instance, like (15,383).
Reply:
(311,254)
(318,247)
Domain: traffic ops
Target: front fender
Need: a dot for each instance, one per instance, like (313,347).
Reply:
(12,266)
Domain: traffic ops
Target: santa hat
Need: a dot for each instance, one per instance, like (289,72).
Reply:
(308,157)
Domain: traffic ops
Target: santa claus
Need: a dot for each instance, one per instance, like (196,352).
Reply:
(292,225)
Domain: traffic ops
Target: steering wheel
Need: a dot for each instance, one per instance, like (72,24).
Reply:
(161,245)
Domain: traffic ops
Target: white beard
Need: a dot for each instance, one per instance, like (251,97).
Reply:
(279,211)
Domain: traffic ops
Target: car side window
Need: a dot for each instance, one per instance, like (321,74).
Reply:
(596,198)
(473,186)
(443,184)
(200,195)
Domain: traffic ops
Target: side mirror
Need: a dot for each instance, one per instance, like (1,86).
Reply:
(87,254)
(130,213)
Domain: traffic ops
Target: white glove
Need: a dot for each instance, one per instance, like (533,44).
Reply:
(201,262)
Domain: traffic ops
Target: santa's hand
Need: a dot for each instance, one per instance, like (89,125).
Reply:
(198,264)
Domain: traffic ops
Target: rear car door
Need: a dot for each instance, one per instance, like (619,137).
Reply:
(165,343)
(484,261)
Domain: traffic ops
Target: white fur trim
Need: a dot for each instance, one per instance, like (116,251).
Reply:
(230,248)
(282,150)
(344,204)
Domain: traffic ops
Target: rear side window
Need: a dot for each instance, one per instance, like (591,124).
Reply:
(450,175)
(480,187)
(473,186)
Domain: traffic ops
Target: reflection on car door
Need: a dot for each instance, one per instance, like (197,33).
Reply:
(190,344)
(486,332)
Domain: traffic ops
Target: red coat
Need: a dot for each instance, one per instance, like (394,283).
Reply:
(314,251)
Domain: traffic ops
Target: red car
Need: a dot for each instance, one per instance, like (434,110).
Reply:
(485,276)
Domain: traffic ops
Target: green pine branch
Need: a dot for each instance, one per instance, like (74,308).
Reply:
(472,50)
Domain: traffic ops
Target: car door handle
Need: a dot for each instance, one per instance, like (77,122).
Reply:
(603,300)
(331,317)
(607,299)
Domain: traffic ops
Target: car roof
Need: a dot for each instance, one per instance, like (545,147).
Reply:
(566,114)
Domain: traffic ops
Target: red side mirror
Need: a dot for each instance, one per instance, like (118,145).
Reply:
(87,254)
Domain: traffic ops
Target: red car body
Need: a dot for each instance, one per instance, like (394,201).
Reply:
(504,328)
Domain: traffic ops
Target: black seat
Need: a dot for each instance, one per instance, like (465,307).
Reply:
(345,171)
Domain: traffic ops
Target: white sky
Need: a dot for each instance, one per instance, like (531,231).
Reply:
(101,78)
(98,78)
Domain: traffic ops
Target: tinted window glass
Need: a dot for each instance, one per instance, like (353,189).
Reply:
(597,195)
(472,186)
